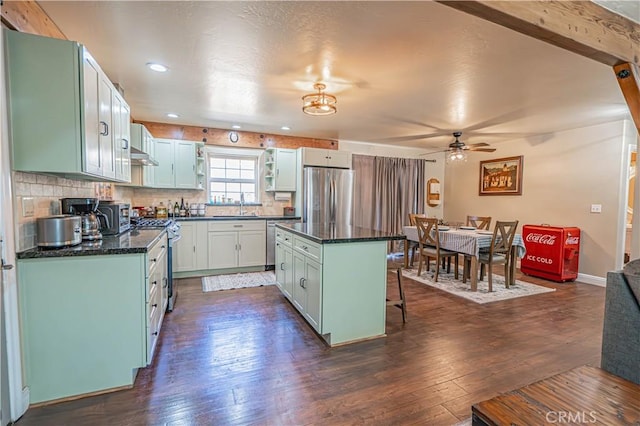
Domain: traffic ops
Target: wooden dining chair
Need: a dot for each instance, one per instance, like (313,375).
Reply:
(414,244)
(429,246)
(479,222)
(499,252)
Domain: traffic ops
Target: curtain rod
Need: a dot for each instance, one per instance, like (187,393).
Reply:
(430,160)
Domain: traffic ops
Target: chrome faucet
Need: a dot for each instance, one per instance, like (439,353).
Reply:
(242,212)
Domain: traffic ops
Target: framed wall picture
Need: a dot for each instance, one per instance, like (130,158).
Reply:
(502,176)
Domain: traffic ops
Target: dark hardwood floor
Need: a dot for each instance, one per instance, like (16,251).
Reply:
(247,357)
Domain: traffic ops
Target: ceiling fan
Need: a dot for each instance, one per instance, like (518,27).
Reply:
(457,146)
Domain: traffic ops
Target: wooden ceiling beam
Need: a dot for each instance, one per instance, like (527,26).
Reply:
(582,27)
(629,81)
(28,17)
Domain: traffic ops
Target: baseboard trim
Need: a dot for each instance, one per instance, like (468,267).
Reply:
(592,279)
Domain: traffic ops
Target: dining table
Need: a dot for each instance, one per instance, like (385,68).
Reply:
(469,242)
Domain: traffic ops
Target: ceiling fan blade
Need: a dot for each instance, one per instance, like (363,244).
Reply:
(477,144)
(482,149)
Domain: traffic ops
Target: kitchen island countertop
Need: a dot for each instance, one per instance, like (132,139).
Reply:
(134,241)
(330,233)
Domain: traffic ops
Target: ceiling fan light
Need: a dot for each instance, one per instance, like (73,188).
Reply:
(456,156)
(319,103)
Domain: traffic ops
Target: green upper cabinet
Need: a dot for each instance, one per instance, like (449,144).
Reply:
(66,117)
(176,164)
(280,169)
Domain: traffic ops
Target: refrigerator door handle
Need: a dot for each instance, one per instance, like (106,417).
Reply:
(332,198)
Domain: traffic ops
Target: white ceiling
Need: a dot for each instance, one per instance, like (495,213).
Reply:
(400,70)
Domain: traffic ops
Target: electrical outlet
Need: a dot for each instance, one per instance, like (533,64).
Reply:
(596,208)
(27,206)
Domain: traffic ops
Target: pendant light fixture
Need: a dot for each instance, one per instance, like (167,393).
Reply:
(457,155)
(319,103)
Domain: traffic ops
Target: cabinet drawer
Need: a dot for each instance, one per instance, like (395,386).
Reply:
(284,237)
(156,253)
(237,225)
(309,248)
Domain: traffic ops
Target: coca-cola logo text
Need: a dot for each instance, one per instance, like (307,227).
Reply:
(541,239)
(572,240)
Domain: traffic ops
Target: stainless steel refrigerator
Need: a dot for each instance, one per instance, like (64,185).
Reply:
(328,195)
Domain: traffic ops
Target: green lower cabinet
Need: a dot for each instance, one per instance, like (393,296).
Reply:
(342,300)
(83,323)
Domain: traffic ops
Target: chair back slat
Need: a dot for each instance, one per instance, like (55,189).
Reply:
(503,235)
(428,232)
(412,218)
(479,222)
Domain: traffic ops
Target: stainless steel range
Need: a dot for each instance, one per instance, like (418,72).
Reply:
(173,233)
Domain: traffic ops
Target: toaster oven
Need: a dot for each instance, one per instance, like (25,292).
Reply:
(117,217)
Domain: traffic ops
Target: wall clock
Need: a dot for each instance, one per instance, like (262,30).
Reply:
(233,137)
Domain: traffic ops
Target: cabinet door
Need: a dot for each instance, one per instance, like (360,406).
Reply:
(287,286)
(313,287)
(340,159)
(252,248)
(91,118)
(148,146)
(280,266)
(201,245)
(107,151)
(285,170)
(185,249)
(314,157)
(299,293)
(120,114)
(223,249)
(164,173)
(185,164)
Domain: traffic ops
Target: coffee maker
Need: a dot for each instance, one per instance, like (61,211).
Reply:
(92,219)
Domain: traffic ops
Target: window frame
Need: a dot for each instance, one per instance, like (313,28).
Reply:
(236,154)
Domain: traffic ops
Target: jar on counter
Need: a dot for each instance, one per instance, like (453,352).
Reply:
(161,211)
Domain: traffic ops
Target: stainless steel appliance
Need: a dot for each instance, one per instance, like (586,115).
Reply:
(271,240)
(92,219)
(328,195)
(117,215)
(173,233)
(59,231)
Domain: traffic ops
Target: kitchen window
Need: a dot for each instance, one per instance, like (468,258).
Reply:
(232,175)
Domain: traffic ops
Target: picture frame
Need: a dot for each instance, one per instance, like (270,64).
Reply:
(501,176)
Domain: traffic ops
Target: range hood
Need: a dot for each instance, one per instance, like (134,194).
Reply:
(141,158)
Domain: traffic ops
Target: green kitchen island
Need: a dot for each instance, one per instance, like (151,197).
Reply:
(336,277)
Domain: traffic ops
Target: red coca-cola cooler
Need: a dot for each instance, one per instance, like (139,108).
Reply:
(552,252)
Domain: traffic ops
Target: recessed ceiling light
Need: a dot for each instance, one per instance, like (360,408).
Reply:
(157,67)
(235,126)
(172,115)
(285,128)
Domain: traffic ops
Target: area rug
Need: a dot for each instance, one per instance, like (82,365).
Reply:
(447,282)
(243,280)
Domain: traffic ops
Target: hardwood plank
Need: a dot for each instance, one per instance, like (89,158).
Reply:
(247,357)
(629,81)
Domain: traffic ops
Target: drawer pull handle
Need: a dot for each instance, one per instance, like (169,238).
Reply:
(238,226)
(166,283)
(282,266)
(302,281)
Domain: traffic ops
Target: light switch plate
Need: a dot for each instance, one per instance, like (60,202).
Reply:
(27,206)
(596,208)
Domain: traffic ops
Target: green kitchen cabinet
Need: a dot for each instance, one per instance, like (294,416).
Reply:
(88,323)
(190,252)
(280,169)
(237,244)
(342,300)
(122,137)
(61,110)
(141,139)
(284,263)
(176,164)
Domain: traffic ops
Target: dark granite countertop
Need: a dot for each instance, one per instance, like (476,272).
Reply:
(331,234)
(179,219)
(135,241)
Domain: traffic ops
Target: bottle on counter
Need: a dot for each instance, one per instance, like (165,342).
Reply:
(169,209)
(187,212)
(176,210)
(182,210)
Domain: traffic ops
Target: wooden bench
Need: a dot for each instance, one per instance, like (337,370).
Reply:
(584,395)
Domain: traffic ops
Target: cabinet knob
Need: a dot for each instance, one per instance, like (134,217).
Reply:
(155,305)
(155,333)
(154,259)
(155,282)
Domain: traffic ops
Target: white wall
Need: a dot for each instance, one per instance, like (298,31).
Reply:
(563,174)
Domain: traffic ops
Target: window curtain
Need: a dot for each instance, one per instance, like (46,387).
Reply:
(387,190)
